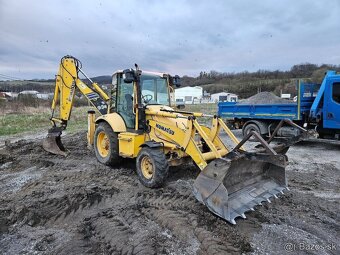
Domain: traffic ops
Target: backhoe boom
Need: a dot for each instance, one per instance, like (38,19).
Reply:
(67,82)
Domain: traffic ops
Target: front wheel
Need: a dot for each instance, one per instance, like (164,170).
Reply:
(152,167)
(106,145)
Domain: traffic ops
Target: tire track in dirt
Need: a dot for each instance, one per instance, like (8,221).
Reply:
(165,199)
(120,232)
(46,210)
(178,213)
(164,212)
(184,225)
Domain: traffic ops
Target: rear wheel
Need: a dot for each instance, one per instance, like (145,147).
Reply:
(251,127)
(106,145)
(152,167)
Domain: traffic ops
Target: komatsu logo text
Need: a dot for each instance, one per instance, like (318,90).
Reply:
(168,130)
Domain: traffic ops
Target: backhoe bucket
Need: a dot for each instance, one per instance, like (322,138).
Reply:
(235,184)
(52,143)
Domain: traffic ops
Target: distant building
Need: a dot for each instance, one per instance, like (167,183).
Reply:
(5,95)
(223,97)
(180,101)
(13,94)
(45,96)
(189,95)
(32,93)
(36,94)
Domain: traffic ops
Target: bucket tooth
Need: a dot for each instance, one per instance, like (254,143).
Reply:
(234,215)
(287,188)
(268,201)
(276,197)
(259,200)
(237,183)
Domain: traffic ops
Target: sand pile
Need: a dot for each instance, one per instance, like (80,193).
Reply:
(265,98)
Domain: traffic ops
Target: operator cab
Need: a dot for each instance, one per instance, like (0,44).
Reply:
(154,89)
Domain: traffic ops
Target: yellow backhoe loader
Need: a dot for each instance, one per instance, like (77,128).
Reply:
(136,121)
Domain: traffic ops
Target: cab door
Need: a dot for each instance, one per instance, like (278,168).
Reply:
(331,111)
(125,102)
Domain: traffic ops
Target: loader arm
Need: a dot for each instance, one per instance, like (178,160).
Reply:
(232,181)
(184,137)
(67,83)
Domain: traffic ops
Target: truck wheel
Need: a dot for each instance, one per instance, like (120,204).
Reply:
(251,127)
(152,167)
(106,145)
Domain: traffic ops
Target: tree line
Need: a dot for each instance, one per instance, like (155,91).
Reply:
(247,83)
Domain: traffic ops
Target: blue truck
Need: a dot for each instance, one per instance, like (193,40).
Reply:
(317,107)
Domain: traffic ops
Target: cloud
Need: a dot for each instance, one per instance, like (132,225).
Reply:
(179,37)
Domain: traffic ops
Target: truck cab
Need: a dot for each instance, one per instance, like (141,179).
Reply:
(325,109)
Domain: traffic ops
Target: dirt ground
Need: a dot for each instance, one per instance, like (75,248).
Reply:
(75,205)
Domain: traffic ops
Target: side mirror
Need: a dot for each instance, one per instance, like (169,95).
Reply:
(175,81)
(129,75)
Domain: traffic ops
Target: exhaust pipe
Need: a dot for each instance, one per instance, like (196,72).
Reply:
(52,143)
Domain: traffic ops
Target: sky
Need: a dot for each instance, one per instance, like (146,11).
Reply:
(173,36)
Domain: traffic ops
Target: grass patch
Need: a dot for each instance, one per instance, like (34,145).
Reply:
(36,119)
(210,109)
(16,123)
(205,108)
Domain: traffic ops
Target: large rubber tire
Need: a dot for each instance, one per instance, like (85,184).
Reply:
(155,158)
(112,157)
(251,127)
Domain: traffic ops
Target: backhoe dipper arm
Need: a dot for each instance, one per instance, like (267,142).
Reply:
(67,81)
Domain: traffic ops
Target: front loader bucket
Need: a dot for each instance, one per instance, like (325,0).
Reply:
(52,143)
(235,184)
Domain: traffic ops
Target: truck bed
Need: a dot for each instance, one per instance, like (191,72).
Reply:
(277,111)
(258,111)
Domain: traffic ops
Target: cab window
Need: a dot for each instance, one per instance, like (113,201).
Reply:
(154,90)
(336,92)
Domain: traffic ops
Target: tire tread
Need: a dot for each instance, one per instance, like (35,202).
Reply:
(161,165)
(113,159)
